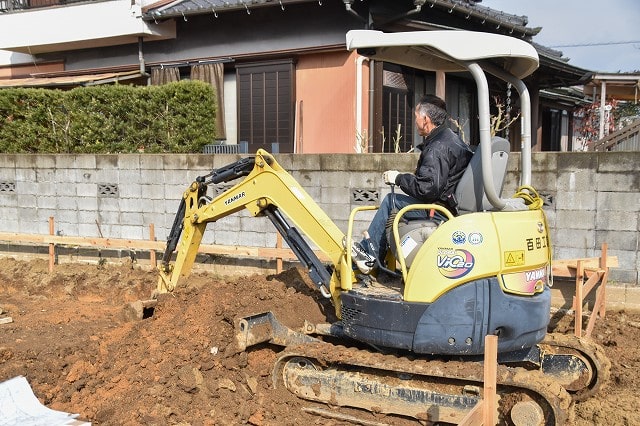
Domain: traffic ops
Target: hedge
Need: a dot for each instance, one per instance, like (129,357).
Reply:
(172,118)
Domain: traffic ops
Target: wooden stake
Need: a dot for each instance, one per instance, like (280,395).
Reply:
(152,237)
(603,287)
(484,413)
(578,300)
(490,371)
(52,250)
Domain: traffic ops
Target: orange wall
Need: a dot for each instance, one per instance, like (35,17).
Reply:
(326,102)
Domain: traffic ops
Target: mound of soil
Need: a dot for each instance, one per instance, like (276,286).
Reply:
(73,339)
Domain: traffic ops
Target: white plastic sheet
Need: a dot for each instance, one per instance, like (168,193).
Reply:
(20,407)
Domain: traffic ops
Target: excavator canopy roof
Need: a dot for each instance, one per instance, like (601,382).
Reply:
(446,50)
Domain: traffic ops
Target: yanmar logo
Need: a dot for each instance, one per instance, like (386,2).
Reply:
(538,274)
(234,198)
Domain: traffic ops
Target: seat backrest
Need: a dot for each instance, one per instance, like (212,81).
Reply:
(470,190)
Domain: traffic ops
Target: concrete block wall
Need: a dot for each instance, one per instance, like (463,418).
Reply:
(591,197)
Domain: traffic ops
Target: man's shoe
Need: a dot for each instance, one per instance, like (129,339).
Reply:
(363,260)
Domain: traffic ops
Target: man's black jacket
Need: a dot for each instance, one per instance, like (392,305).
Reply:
(443,160)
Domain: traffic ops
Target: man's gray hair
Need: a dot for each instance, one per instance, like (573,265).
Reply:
(434,108)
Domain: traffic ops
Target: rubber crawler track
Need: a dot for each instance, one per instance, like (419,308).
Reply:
(544,388)
(590,352)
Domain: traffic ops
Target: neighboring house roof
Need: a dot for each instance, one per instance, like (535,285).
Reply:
(72,80)
(559,72)
(501,21)
(570,96)
(621,86)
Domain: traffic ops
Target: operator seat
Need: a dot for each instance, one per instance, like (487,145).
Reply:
(469,193)
(470,190)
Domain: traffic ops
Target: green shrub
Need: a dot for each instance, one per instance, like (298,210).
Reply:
(173,118)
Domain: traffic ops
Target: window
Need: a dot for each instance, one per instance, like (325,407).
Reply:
(403,87)
(397,109)
(266,99)
(551,129)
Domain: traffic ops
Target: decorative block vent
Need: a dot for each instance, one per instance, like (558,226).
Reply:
(7,187)
(364,196)
(220,149)
(549,199)
(109,190)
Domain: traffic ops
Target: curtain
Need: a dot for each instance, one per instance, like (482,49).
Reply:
(164,75)
(214,75)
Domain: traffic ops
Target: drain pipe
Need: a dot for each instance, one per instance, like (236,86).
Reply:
(372,80)
(141,57)
(359,65)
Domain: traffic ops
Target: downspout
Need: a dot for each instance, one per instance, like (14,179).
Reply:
(347,5)
(359,65)
(141,57)
(372,86)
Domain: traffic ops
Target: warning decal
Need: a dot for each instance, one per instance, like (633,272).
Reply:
(514,258)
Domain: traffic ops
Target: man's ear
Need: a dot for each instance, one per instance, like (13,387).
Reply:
(428,124)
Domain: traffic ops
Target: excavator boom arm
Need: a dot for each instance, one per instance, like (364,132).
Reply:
(265,190)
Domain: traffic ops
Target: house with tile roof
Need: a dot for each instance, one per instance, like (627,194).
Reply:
(283,76)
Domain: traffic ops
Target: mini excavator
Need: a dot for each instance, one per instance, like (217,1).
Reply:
(411,345)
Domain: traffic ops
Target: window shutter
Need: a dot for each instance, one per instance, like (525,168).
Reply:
(266,102)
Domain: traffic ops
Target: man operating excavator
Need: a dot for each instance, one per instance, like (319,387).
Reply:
(443,160)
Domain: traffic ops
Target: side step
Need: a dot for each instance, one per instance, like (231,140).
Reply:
(264,327)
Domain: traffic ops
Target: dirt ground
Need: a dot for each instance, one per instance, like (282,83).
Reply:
(72,340)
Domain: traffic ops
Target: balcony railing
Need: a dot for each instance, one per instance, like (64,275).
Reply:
(16,5)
